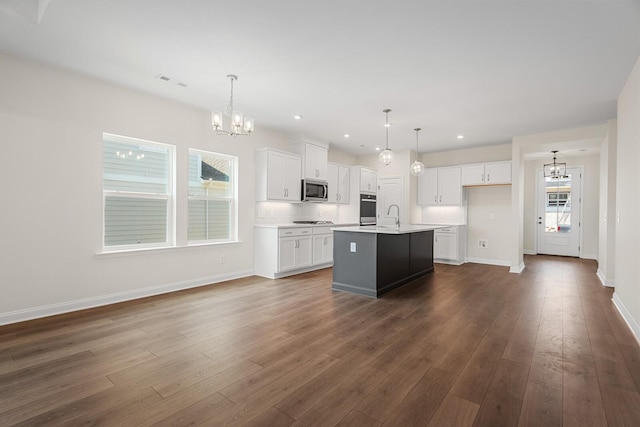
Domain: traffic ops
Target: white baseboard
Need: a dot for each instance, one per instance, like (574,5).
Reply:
(529,252)
(626,315)
(83,304)
(589,256)
(500,262)
(517,270)
(604,280)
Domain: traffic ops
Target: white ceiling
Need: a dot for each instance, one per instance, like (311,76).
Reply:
(489,70)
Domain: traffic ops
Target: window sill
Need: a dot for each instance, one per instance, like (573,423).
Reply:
(142,251)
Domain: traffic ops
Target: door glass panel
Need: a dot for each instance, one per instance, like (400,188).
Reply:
(558,205)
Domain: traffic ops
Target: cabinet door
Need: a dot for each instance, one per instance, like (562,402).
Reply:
(428,188)
(292,178)
(473,175)
(287,247)
(368,180)
(328,247)
(333,183)
(275,176)
(318,249)
(498,173)
(303,251)
(344,184)
(315,162)
(445,247)
(449,188)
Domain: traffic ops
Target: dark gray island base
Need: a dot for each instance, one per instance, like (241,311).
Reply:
(381,260)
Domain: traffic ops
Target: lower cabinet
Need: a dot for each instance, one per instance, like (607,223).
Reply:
(281,251)
(294,252)
(322,248)
(449,245)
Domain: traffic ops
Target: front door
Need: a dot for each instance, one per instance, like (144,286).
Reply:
(558,219)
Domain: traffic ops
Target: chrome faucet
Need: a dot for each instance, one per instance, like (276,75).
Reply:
(397,217)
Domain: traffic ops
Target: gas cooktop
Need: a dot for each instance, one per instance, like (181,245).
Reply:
(313,222)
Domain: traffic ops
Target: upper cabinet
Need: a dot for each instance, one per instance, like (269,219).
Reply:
(339,183)
(368,180)
(277,175)
(314,159)
(495,173)
(440,186)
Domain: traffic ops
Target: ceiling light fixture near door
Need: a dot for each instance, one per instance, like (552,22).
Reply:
(555,169)
(387,155)
(417,167)
(238,125)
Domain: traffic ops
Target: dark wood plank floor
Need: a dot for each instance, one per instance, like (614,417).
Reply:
(468,345)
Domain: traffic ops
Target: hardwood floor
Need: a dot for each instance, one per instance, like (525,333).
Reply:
(468,345)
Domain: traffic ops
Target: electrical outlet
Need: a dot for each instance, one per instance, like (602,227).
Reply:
(221,259)
(352,247)
(482,243)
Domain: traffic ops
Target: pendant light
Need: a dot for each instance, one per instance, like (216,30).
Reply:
(238,124)
(387,155)
(555,170)
(417,167)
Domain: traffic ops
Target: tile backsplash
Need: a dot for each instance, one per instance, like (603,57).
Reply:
(284,213)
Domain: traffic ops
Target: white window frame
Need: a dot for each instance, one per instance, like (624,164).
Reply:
(233,199)
(169,196)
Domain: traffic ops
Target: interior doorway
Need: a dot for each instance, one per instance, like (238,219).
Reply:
(559,208)
(389,193)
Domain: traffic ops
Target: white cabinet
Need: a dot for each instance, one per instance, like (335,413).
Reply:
(314,160)
(283,251)
(440,186)
(339,183)
(368,181)
(294,252)
(277,175)
(495,173)
(449,245)
(322,245)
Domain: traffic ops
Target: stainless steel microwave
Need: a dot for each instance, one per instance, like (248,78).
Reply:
(314,191)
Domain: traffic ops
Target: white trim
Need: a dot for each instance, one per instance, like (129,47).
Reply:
(519,269)
(626,315)
(83,304)
(501,262)
(448,261)
(589,256)
(603,279)
(530,252)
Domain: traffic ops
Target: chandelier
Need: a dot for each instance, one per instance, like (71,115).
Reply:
(238,125)
(387,155)
(417,167)
(555,170)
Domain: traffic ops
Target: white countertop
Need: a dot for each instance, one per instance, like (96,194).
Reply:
(290,225)
(413,228)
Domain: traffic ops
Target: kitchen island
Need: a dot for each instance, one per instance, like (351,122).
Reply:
(373,260)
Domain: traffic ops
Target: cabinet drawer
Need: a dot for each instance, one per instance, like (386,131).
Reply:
(448,230)
(322,230)
(288,232)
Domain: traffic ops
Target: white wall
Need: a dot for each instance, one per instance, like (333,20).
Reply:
(51,125)
(492,153)
(607,223)
(627,267)
(590,201)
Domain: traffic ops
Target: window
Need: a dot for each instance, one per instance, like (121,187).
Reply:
(557,199)
(138,193)
(212,197)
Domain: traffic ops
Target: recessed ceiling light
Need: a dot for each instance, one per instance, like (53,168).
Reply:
(297,116)
(377,148)
(460,136)
(346,135)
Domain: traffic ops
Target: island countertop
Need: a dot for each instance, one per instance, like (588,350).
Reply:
(382,229)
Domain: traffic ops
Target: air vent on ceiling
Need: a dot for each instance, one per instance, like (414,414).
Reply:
(171,80)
